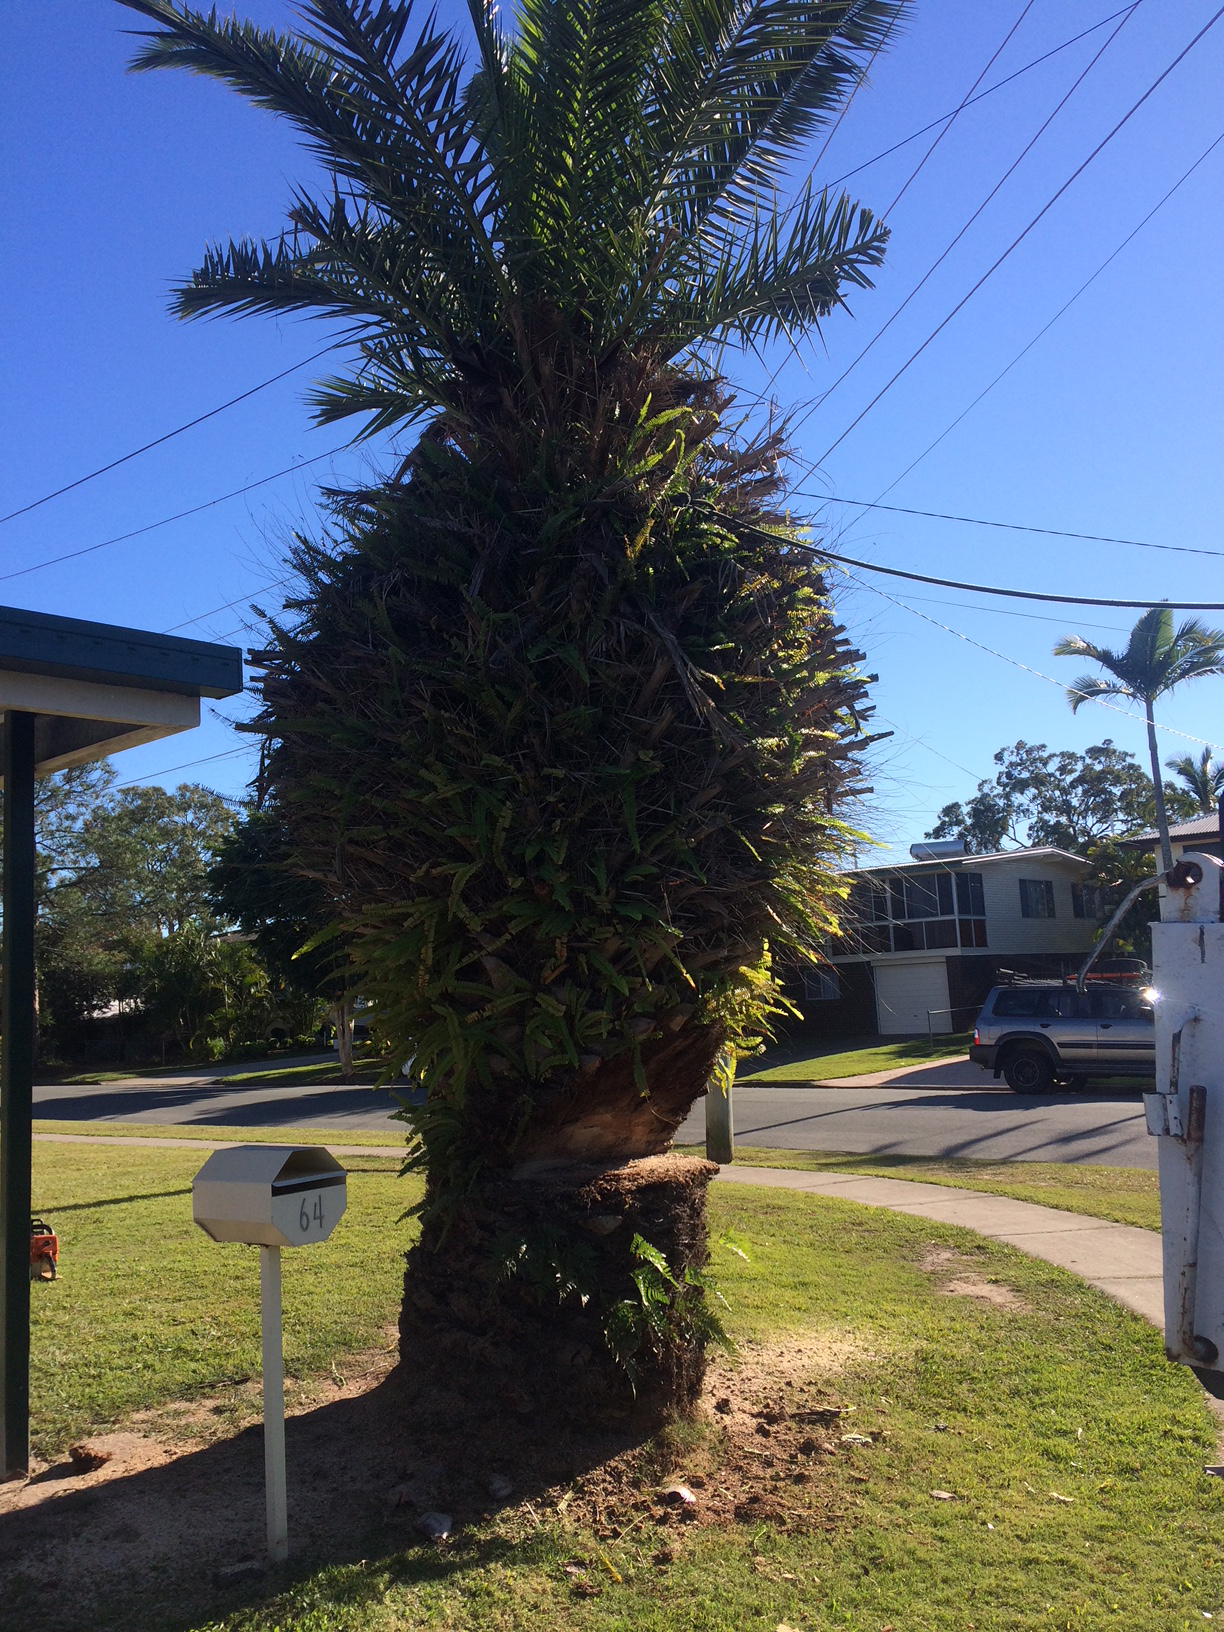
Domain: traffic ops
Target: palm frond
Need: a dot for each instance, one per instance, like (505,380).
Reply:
(1090,688)
(786,273)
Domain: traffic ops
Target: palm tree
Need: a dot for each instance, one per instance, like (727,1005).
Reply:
(561,717)
(1157,658)
(1203,777)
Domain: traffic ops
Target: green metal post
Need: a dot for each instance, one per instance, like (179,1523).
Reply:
(16,1094)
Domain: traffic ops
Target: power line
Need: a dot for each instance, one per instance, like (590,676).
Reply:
(989,91)
(1006,526)
(1108,261)
(950,121)
(187,766)
(225,606)
(1011,612)
(964,103)
(1019,239)
(167,437)
(994,589)
(1016,664)
(990,196)
(152,527)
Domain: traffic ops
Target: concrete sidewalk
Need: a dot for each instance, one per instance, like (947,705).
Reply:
(1118,1259)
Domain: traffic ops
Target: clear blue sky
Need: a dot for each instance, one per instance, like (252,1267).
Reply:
(1111,424)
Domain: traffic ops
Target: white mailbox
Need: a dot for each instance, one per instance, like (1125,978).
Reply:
(270,1195)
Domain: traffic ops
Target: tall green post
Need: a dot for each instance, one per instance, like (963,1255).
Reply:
(16,1093)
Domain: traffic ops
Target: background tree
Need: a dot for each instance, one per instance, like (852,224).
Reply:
(562,716)
(1203,779)
(1158,657)
(1073,801)
(1087,803)
(253,884)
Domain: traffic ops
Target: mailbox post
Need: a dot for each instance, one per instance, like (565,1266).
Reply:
(271,1196)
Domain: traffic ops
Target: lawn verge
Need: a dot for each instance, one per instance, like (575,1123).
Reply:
(1002,1447)
(799,1063)
(1124,1195)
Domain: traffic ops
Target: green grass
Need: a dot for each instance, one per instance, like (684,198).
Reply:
(367,1070)
(395,1134)
(1002,1407)
(1009,1410)
(802,1063)
(147,1309)
(1126,1195)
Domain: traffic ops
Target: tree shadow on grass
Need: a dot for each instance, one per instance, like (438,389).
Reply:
(144,1542)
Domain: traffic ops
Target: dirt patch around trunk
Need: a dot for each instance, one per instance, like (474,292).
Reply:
(167,1526)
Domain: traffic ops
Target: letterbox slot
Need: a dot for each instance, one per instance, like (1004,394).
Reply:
(316,1181)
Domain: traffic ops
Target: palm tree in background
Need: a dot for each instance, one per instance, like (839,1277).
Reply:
(561,717)
(1203,778)
(1158,657)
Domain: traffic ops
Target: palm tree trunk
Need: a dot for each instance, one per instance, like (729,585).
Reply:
(1162,815)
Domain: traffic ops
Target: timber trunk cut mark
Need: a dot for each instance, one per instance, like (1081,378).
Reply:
(507,1299)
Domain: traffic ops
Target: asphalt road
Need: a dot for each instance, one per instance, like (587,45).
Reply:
(932,1111)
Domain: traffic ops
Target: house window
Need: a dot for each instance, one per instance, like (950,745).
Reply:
(1085,901)
(940,933)
(973,932)
(970,901)
(1036,898)
(820,986)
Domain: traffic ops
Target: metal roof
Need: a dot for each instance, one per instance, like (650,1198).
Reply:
(956,863)
(104,653)
(1202,827)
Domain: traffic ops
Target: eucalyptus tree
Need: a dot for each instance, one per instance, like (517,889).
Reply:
(562,716)
(1158,657)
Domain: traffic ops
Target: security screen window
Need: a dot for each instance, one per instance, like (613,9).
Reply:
(1036,898)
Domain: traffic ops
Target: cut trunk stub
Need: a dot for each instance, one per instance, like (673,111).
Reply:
(495,1342)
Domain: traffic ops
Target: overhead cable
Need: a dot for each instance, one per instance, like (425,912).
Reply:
(229,753)
(1016,664)
(167,437)
(964,103)
(122,538)
(990,196)
(1042,332)
(1006,526)
(994,589)
(981,95)
(1020,237)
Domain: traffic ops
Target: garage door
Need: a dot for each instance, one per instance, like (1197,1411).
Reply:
(906,991)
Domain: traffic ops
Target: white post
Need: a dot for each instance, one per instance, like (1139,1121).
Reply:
(719,1127)
(273,1403)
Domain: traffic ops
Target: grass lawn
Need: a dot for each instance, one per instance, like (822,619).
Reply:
(367,1070)
(1126,1195)
(395,1134)
(147,1309)
(803,1063)
(1070,1450)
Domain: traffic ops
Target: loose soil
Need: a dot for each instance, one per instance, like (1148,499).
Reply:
(168,1526)
(968,1283)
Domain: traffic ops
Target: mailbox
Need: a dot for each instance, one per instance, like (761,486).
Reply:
(270,1195)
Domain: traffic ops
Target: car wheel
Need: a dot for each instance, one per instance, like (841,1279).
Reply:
(1029,1072)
